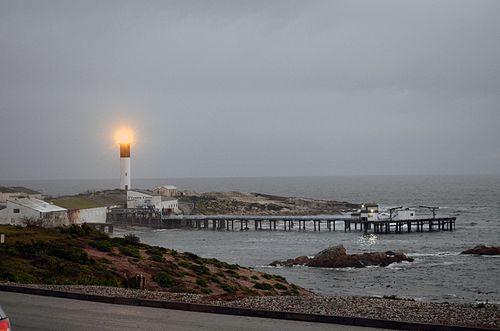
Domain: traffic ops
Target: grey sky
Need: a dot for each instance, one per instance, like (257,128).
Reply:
(249,88)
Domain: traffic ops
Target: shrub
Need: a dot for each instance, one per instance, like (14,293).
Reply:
(103,246)
(73,254)
(267,276)
(263,286)
(280,279)
(255,277)
(185,264)
(130,251)
(157,258)
(164,279)
(200,269)
(200,282)
(155,250)
(280,286)
(132,239)
(228,288)
(215,279)
(249,291)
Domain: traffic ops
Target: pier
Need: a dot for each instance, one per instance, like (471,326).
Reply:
(315,223)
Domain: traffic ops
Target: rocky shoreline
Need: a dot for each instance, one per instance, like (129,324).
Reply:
(479,315)
(248,203)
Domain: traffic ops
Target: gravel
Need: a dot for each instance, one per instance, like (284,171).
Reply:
(472,315)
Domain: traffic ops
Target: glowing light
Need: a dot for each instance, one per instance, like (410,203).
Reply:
(124,136)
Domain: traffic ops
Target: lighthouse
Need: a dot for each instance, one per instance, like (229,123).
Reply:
(124,139)
(124,166)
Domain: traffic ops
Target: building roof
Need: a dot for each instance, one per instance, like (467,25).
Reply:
(144,192)
(169,187)
(17,189)
(76,203)
(37,204)
(163,198)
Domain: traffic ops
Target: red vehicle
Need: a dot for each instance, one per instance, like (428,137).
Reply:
(4,321)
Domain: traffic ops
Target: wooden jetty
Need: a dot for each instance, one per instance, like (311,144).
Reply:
(154,219)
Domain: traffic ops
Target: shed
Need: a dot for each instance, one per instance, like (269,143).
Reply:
(82,210)
(21,209)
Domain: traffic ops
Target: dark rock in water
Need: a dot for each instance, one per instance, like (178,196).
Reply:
(336,257)
(483,250)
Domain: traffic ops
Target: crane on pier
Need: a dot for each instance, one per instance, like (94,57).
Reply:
(391,210)
(431,208)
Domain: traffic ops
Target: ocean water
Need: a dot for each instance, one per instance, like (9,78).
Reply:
(439,273)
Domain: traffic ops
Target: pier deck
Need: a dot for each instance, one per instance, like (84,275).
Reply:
(141,217)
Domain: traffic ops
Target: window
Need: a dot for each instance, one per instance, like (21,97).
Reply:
(16,210)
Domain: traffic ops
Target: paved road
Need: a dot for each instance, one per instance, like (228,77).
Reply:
(31,312)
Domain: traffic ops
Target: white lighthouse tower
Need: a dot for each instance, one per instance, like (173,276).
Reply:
(124,137)
(125,166)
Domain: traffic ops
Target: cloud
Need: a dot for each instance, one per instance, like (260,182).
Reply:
(249,88)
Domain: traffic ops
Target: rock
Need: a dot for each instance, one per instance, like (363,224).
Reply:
(336,257)
(301,260)
(483,250)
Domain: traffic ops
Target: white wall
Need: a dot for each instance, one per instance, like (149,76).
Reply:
(88,215)
(3,216)
(169,204)
(406,214)
(142,200)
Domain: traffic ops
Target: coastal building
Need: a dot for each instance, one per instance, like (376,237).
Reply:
(406,214)
(13,192)
(369,212)
(152,200)
(166,190)
(83,210)
(20,210)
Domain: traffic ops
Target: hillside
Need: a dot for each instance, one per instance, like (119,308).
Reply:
(83,256)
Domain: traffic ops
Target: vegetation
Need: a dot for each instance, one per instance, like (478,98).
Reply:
(76,202)
(81,255)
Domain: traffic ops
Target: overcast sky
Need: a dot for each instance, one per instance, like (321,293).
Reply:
(249,88)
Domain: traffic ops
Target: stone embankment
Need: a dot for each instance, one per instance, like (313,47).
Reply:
(483,250)
(337,257)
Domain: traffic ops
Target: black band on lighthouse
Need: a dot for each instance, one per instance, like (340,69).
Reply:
(124,150)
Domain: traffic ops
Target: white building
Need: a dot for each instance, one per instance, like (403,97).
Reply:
(7,193)
(148,199)
(19,210)
(143,199)
(406,214)
(82,210)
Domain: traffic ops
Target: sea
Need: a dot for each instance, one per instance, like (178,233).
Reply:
(439,272)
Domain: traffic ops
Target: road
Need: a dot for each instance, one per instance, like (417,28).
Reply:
(31,312)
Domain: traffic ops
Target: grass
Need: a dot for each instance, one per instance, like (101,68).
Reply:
(76,203)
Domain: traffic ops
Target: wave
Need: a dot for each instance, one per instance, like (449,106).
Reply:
(445,253)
